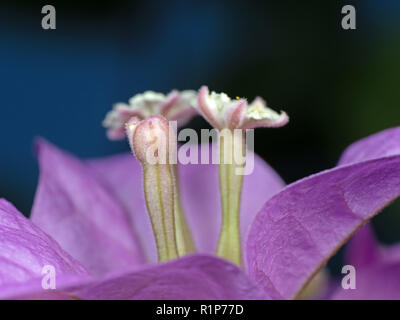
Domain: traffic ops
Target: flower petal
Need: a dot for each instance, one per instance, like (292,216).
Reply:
(300,228)
(197,277)
(208,107)
(116,119)
(258,115)
(377,269)
(380,281)
(123,175)
(391,253)
(179,106)
(199,195)
(25,250)
(382,144)
(73,206)
(32,289)
(363,250)
(277,121)
(185,109)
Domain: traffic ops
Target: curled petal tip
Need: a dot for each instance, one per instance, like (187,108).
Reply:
(169,102)
(235,114)
(259,115)
(204,89)
(202,99)
(280,122)
(210,106)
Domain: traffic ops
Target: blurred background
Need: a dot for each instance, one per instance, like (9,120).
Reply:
(337,85)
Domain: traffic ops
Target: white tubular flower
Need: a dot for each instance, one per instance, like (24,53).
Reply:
(223,112)
(176,106)
(230,117)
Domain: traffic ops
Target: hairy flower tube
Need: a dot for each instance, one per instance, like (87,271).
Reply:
(176,106)
(151,141)
(231,118)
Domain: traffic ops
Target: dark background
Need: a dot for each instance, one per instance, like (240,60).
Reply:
(337,85)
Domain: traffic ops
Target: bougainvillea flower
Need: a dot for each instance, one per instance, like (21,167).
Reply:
(90,222)
(177,105)
(223,112)
(232,119)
